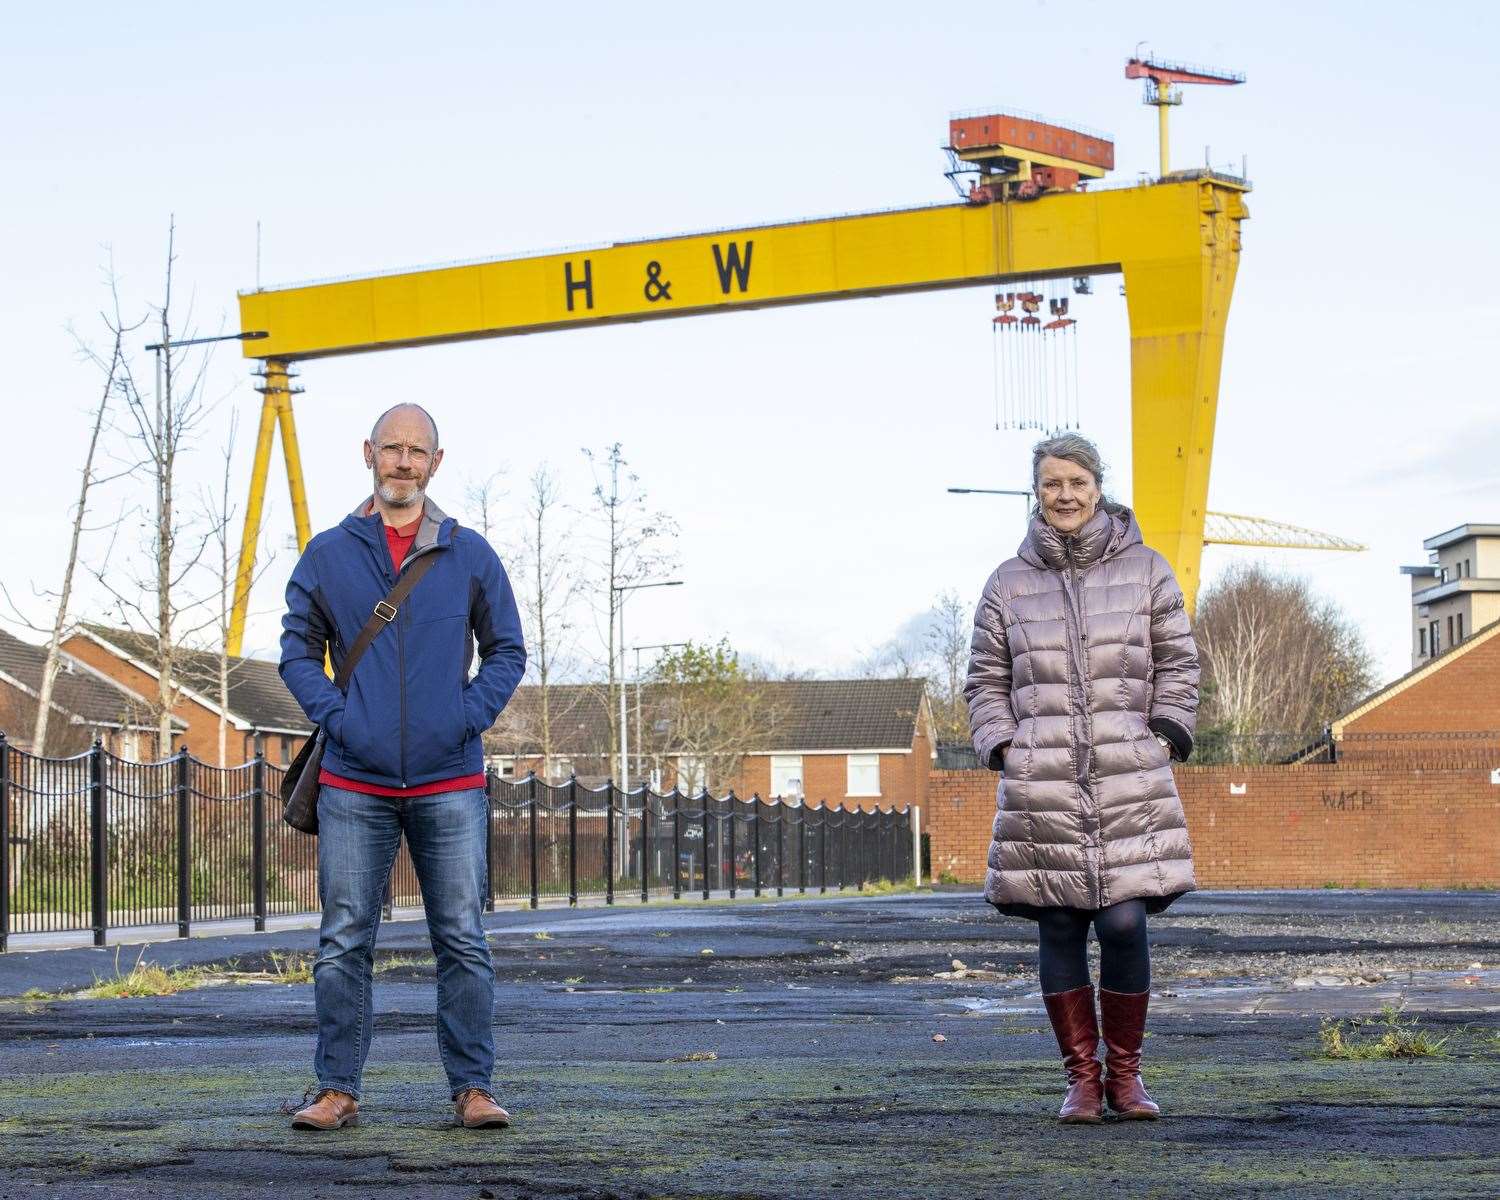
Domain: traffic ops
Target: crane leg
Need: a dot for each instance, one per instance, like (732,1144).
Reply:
(277,372)
(1178,310)
(250,538)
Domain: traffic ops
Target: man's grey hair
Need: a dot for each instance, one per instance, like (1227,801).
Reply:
(380,420)
(1075,448)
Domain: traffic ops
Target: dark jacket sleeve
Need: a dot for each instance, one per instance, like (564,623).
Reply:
(987,686)
(306,633)
(1174,692)
(497,629)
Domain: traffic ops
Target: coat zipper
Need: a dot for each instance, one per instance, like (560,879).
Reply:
(1075,634)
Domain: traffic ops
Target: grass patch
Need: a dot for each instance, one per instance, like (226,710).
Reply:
(405,962)
(1392,1037)
(291,968)
(143,979)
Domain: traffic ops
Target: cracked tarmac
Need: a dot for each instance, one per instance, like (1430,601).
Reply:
(825,1082)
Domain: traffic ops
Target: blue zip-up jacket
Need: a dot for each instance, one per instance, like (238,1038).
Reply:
(412,715)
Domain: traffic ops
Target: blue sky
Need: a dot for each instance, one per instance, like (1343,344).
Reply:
(805,452)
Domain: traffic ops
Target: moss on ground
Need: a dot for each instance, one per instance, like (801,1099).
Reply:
(803,1127)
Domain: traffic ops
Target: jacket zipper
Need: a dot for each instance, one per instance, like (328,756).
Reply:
(1075,634)
(401,653)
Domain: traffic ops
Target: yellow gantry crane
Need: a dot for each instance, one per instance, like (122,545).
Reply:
(1033,215)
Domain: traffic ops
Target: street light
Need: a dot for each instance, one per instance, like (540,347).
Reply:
(1024,494)
(248,335)
(640,742)
(622,588)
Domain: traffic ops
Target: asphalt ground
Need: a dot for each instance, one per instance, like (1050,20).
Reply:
(808,1048)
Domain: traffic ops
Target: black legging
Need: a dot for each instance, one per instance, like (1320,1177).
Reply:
(1124,956)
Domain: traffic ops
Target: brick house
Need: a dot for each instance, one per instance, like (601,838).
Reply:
(261,713)
(86,705)
(856,742)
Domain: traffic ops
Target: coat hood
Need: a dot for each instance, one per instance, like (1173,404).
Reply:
(1110,530)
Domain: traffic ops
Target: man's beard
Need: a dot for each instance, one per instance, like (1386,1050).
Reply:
(389,495)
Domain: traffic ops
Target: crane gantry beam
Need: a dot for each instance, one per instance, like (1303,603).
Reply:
(1176,243)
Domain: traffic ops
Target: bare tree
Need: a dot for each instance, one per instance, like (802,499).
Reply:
(949,630)
(630,547)
(550,589)
(1279,663)
(161,428)
(218,514)
(481,504)
(89,479)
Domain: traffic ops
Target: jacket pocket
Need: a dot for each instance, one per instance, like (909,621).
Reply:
(367,744)
(437,724)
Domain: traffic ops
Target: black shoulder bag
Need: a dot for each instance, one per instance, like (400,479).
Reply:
(299,787)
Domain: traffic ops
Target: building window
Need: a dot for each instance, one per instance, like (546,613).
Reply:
(1460,627)
(286,751)
(504,765)
(1442,574)
(864,775)
(1422,643)
(130,745)
(1432,636)
(1450,629)
(1468,570)
(786,775)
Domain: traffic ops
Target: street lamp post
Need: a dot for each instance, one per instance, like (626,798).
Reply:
(622,588)
(640,742)
(1023,493)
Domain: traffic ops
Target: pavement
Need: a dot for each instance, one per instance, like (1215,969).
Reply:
(828,1046)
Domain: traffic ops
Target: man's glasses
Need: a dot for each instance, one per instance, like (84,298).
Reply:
(392,452)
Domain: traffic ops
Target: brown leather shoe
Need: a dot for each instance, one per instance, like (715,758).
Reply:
(476,1109)
(1077,1030)
(329,1110)
(1123,1019)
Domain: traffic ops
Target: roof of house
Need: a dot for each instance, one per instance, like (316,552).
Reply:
(257,697)
(1378,697)
(1460,533)
(810,714)
(79,690)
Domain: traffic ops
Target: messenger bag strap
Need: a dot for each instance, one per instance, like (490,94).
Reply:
(384,614)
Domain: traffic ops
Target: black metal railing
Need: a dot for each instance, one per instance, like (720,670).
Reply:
(95,842)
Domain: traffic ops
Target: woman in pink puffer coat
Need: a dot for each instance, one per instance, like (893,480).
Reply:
(1082,687)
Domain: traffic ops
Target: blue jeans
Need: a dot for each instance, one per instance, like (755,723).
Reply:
(358,836)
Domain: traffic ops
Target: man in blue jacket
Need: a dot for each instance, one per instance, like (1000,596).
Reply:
(403,755)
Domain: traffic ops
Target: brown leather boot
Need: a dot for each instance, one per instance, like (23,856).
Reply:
(1123,1019)
(329,1110)
(474,1109)
(1077,1030)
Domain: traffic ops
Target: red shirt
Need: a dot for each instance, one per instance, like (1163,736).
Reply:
(399,540)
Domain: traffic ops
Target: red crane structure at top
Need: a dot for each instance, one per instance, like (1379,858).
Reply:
(1163,90)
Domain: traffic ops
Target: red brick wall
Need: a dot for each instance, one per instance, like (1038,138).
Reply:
(1461,695)
(1377,824)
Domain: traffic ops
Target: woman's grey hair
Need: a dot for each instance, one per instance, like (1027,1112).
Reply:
(1075,449)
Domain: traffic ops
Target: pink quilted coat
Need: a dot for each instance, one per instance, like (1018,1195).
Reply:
(1081,652)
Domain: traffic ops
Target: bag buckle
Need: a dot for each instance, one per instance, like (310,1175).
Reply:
(382,609)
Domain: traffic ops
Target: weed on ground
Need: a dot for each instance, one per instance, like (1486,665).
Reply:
(1391,1036)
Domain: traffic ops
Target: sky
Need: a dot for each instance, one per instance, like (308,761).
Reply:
(805,452)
